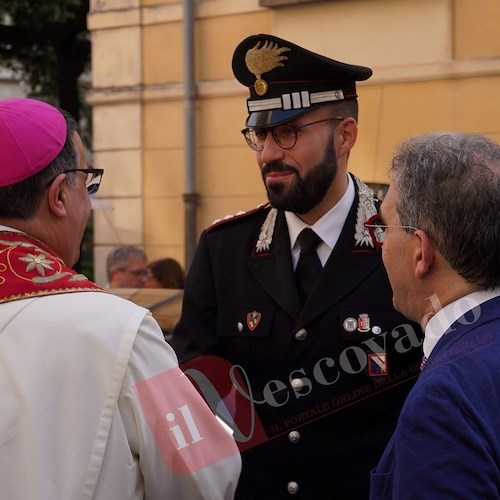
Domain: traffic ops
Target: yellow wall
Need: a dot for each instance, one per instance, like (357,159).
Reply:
(436,66)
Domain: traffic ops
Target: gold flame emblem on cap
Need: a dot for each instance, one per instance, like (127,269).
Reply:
(260,60)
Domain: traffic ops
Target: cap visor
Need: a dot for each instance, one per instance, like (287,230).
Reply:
(273,117)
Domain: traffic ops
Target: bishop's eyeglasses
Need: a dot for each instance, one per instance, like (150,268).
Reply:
(285,136)
(92,181)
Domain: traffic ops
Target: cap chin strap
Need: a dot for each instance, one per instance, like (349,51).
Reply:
(295,100)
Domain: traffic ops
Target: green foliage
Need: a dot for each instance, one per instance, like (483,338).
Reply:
(47,44)
(23,12)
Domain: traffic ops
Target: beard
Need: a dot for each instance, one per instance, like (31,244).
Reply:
(305,193)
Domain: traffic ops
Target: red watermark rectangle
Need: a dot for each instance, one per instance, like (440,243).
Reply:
(186,432)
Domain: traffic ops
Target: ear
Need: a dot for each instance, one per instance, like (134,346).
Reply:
(347,135)
(112,276)
(424,255)
(57,196)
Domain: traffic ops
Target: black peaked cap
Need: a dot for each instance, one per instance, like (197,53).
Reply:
(286,80)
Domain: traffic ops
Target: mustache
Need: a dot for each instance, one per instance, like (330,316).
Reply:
(277,166)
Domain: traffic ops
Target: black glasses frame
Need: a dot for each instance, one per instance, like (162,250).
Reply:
(94,181)
(250,133)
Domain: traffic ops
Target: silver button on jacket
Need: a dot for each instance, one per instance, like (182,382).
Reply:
(301,334)
(292,487)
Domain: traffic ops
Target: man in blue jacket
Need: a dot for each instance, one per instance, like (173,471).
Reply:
(441,246)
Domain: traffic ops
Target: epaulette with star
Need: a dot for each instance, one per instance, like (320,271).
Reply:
(237,216)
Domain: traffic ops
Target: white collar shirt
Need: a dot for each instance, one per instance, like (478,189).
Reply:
(440,323)
(328,227)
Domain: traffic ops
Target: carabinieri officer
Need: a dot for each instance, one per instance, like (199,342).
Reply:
(287,309)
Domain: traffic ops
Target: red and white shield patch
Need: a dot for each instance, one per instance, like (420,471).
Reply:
(253,319)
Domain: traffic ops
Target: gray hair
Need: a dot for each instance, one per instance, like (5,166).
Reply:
(448,186)
(21,200)
(118,257)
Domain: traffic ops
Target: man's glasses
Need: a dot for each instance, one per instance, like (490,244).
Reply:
(93,180)
(138,273)
(285,136)
(377,230)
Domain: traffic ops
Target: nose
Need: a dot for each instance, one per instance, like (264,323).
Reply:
(271,151)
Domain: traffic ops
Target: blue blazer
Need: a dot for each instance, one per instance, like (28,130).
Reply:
(447,440)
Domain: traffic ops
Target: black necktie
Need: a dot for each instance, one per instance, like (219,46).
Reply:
(309,265)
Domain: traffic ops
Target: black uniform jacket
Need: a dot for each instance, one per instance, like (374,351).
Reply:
(326,381)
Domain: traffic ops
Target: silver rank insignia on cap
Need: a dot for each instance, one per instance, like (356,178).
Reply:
(260,60)
(253,319)
(377,365)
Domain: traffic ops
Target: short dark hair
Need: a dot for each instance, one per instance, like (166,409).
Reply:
(448,186)
(348,107)
(21,200)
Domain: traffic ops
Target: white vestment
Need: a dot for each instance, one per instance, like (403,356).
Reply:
(71,423)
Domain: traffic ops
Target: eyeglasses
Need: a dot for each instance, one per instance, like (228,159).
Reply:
(92,183)
(139,273)
(378,231)
(93,180)
(285,135)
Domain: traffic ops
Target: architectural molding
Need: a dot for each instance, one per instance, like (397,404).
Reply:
(127,14)
(434,71)
(221,88)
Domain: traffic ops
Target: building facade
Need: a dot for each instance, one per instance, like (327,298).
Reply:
(436,66)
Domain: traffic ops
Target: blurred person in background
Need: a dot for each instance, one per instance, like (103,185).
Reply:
(165,273)
(126,267)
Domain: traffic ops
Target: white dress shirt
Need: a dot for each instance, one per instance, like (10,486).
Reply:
(328,227)
(440,323)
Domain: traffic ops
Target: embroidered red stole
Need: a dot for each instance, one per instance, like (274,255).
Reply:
(29,268)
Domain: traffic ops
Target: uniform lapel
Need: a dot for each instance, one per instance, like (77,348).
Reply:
(273,270)
(347,267)
(350,262)
(341,275)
